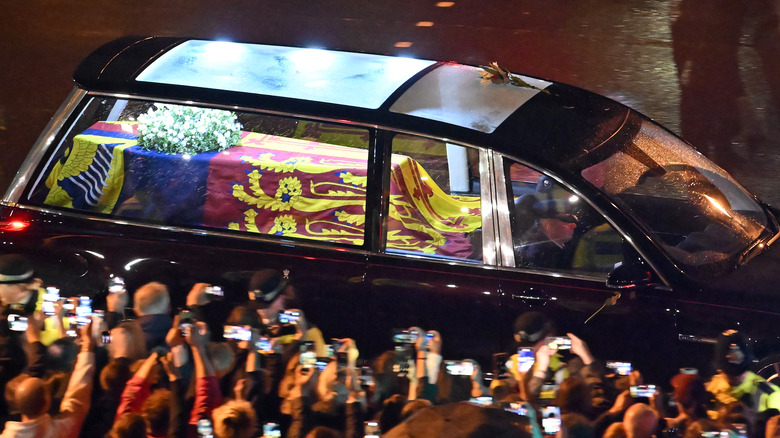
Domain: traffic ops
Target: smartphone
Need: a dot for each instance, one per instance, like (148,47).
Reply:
(482,401)
(518,408)
(185,321)
(403,355)
(264,345)
(366,376)
(72,330)
(551,419)
(106,336)
(459,367)
(330,350)
(204,428)
(50,297)
(559,342)
(84,310)
(740,429)
(215,292)
(237,332)
(499,366)
(289,317)
(525,359)
(308,356)
(116,285)
(642,391)
(371,429)
(17,323)
(619,368)
(402,336)
(342,359)
(84,307)
(271,430)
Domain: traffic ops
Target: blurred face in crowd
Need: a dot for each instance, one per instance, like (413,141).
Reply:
(18,293)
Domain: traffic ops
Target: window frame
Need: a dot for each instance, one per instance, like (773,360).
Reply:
(506,248)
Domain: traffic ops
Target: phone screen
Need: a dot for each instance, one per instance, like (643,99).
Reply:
(559,342)
(642,391)
(459,368)
(619,368)
(551,419)
(17,323)
(371,429)
(264,345)
(271,430)
(525,359)
(237,332)
(308,355)
(116,285)
(401,336)
(289,317)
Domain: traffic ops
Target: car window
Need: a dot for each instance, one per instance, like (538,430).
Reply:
(694,209)
(553,229)
(186,166)
(435,201)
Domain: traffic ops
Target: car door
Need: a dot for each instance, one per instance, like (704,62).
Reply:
(558,255)
(435,267)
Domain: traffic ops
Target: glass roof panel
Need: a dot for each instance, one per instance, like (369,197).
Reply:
(354,79)
(455,94)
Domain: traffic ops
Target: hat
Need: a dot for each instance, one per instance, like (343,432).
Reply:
(531,327)
(15,268)
(267,284)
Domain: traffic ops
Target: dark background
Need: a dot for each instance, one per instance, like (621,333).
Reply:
(707,69)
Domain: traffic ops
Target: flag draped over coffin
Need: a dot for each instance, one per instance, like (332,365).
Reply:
(265,184)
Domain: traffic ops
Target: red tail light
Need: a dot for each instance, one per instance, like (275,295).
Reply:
(13,225)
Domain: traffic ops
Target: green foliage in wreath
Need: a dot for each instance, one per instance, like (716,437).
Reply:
(176,129)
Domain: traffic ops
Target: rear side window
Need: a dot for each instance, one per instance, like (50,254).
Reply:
(206,168)
(435,200)
(554,230)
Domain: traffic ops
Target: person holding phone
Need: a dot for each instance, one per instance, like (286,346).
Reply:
(33,399)
(152,304)
(537,331)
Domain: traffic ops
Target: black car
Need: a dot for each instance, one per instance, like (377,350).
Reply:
(395,192)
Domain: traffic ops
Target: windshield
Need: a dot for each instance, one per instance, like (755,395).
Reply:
(698,213)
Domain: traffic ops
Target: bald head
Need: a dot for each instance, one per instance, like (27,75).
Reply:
(640,421)
(152,299)
(32,398)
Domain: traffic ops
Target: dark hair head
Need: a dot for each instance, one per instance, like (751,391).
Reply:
(156,410)
(243,315)
(61,355)
(115,375)
(574,396)
(531,327)
(129,425)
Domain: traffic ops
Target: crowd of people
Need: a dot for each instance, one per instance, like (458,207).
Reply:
(264,370)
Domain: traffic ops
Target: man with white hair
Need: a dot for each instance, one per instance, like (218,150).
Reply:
(152,304)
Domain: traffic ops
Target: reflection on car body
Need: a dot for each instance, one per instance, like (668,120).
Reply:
(394,191)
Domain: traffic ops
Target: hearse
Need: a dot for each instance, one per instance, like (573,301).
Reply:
(395,192)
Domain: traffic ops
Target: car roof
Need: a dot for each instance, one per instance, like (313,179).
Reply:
(545,122)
